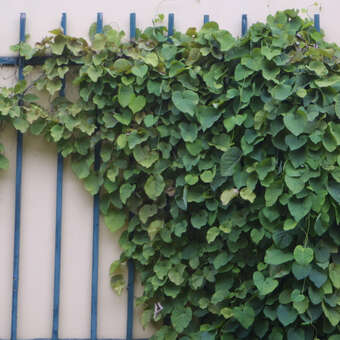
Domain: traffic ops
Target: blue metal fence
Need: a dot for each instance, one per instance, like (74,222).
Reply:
(20,62)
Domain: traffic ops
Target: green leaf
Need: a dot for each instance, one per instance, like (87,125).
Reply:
(273,192)
(151,59)
(277,257)
(176,274)
(137,103)
(289,224)
(334,274)
(301,92)
(121,65)
(286,315)
(199,219)
(207,176)
(294,184)
(303,255)
(188,131)
(207,116)
(154,186)
(294,142)
(92,184)
(247,194)
(191,179)
(154,228)
(94,72)
(228,195)
(126,191)
(269,52)
(4,163)
(300,208)
(125,95)
(334,337)
(242,72)
(334,190)
(301,306)
(265,286)
(118,283)
(147,210)
(81,168)
(332,314)
(337,105)
(185,101)
(317,277)
(318,67)
(180,318)
(229,161)
(245,315)
(115,219)
(212,233)
(98,42)
(59,44)
(168,52)
(225,39)
(281,91)
(264,167)
(329,81)
(301,271)
(257,235)
(144,156)
(295,122)
(139,70)
(227,312)
(221,260)
(57,132)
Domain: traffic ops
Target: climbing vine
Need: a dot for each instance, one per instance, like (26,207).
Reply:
(219,161)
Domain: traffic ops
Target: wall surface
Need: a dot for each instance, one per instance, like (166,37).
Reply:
(39,170)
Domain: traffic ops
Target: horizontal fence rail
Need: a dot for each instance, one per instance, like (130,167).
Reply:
(20,63)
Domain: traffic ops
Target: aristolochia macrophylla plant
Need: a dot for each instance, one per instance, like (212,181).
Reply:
(219,159)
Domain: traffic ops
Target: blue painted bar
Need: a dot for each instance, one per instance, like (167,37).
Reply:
(95,239)
(14,61)
(171,24)
(130,303)
(9,60)
(206,18)
(131,268)
(58,224)
(317,22)
(78,339)
(132,26)
(244,24)
(17,215)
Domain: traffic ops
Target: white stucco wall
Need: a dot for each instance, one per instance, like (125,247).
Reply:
(39,170)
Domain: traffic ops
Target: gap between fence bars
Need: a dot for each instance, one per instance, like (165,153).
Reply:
(20,62)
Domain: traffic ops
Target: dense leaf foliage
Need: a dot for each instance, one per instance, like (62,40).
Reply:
(219,160)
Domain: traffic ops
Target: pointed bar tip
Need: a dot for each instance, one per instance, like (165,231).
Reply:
(132,26)
(63,22)
(206,18)
(171,21)
(244,24)
(99,22)
(317,22)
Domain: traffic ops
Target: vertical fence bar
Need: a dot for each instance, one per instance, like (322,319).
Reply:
(244,24)
(131,268)
(206,18)
(17,215)
(171,24)
(58,224)
(95,239)
(317,22)
(132,26)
